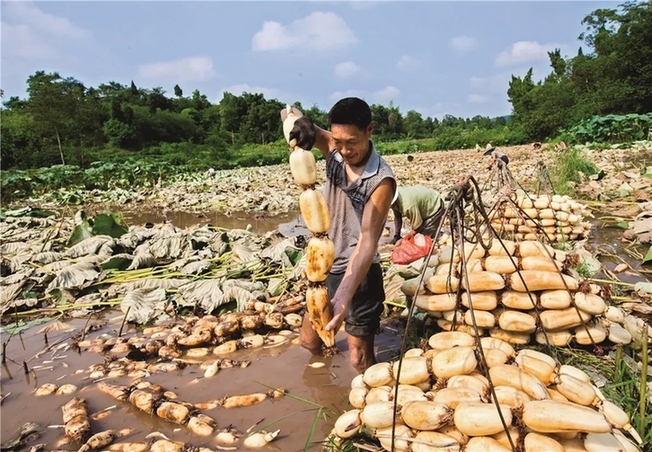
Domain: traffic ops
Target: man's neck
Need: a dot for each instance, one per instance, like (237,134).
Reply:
(362,163)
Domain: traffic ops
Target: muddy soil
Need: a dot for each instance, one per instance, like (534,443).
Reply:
(315,394)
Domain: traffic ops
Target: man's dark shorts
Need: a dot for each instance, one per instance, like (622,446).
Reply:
(363,316)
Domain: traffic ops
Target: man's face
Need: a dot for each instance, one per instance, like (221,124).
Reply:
(351,142)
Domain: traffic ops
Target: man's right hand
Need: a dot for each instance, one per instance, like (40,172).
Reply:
(304,132)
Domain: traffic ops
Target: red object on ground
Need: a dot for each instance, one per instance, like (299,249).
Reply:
(411,248)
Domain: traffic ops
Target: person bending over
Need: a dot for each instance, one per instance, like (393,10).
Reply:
(495,156)
(423,206)
(359,189)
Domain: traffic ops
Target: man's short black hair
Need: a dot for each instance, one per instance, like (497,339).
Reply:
(350,110)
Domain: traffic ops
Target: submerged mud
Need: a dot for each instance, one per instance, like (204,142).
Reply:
(316,394)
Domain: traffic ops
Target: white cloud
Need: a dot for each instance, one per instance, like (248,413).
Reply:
(387,93)
(29,33)
(462,44)
(348,70)
(523,52)
(182,70)
(478,98)
(237,90)
(381,96)
(408,64)
(21,41)
(28,13)
(317,31)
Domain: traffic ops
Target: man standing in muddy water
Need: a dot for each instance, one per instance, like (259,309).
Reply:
(359,189)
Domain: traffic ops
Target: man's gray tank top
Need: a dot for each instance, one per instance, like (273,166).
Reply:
(346,202)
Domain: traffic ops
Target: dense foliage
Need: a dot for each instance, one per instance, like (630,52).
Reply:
(611,128)
(615,78)
(64,122)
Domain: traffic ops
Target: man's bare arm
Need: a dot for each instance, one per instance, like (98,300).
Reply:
(398,222)
(324,141)
(373,222)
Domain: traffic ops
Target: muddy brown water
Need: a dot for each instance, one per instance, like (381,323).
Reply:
(286,366)
(309,389)
(609,239)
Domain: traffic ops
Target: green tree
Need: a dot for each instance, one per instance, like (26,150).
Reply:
(414,124)
(53,103)
(615,77)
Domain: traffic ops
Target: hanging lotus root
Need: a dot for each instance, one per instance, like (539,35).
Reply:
(519,291)
(445,401)
(547,218)
(320,252)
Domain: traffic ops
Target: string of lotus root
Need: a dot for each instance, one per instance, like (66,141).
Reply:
(320,252)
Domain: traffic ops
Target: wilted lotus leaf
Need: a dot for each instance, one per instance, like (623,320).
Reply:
(241,235)
(8,293)
(15,304)
(47,257)
(12,247)
(205,294)
(243,283)
(244,253)
(171,247)
(180,263)
(144,305)
(201,237)
(642,228)
(55,266)
(135,237)
(276,286)
(220,244)
(196,268)
(149,283)
(299,268)
(26,236)
(240,295)
(16,277)
(117,262)
(143,259)
(277,250)
(74,276)
(87,301)
(55,326)
(165,231)
(90,245)
(17,261)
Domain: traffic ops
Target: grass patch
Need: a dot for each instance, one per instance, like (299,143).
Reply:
(570,167)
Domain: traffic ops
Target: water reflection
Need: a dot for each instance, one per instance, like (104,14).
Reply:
(325,392)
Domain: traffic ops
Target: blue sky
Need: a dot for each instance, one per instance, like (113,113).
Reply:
(434,57)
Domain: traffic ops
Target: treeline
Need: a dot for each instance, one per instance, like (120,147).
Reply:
(64,122)
(615,78)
